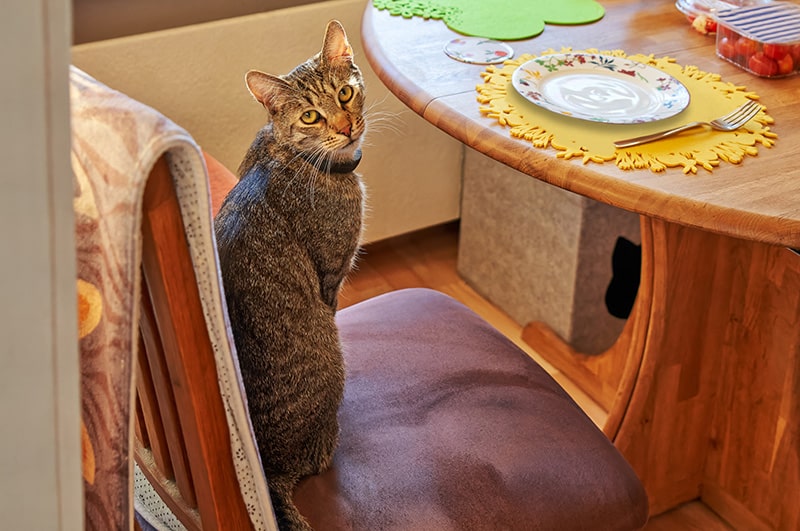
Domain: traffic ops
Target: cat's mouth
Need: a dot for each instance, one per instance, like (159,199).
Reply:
(349,154)
(349,149)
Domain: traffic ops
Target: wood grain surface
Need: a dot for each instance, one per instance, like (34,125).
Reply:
(702,387)
(758,199)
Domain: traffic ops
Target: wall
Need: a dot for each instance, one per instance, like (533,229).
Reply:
(96,20)
(194,75)
(40,483)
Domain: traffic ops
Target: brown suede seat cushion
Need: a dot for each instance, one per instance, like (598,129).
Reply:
(447,425)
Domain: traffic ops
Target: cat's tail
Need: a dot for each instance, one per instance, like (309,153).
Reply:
(286,513)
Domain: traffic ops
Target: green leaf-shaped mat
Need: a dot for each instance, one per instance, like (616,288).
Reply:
(507,20)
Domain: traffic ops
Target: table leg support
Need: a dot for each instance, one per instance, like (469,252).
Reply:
(708,374)
(609,377)
(665,430)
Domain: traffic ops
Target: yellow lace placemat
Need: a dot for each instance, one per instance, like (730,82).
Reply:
(711,97)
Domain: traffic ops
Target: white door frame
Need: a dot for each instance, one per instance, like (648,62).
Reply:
(40,452)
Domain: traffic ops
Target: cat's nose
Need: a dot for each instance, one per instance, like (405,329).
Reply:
(343,127)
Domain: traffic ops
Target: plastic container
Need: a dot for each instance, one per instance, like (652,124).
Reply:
(701,14)
(763,39)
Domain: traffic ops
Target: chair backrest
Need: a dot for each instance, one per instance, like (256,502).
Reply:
(182,439)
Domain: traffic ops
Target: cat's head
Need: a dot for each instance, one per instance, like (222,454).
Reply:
(318,108)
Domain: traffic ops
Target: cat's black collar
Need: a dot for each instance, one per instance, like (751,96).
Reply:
(326,166)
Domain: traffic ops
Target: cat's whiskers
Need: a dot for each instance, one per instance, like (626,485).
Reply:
(375,109)
(368,136)
(382,121)
(288,185)
(321,160)
(374,104)
(311,188)
(381,124)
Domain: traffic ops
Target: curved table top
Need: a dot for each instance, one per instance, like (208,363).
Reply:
(758,199)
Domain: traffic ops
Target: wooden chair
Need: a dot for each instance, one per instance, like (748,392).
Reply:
(508,449)
(159,380)
(445,423)
(182,441)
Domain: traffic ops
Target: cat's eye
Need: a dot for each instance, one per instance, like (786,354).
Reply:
(346,94)
(310,117)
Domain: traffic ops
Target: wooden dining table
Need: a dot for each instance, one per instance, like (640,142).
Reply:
(702,387)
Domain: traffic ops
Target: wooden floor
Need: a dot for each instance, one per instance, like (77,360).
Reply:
(428,259)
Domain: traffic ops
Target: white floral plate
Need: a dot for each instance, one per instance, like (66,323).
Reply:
(478,51)
(600,88)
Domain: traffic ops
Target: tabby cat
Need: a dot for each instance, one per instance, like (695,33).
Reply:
(287,235)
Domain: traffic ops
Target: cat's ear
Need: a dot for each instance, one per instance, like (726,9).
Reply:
(266,88)
(336,47)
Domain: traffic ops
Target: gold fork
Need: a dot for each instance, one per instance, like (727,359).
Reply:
(730,122)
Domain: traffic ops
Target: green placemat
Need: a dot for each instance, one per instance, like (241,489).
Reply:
(507,20)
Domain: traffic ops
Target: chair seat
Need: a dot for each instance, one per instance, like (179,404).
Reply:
(449,425)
